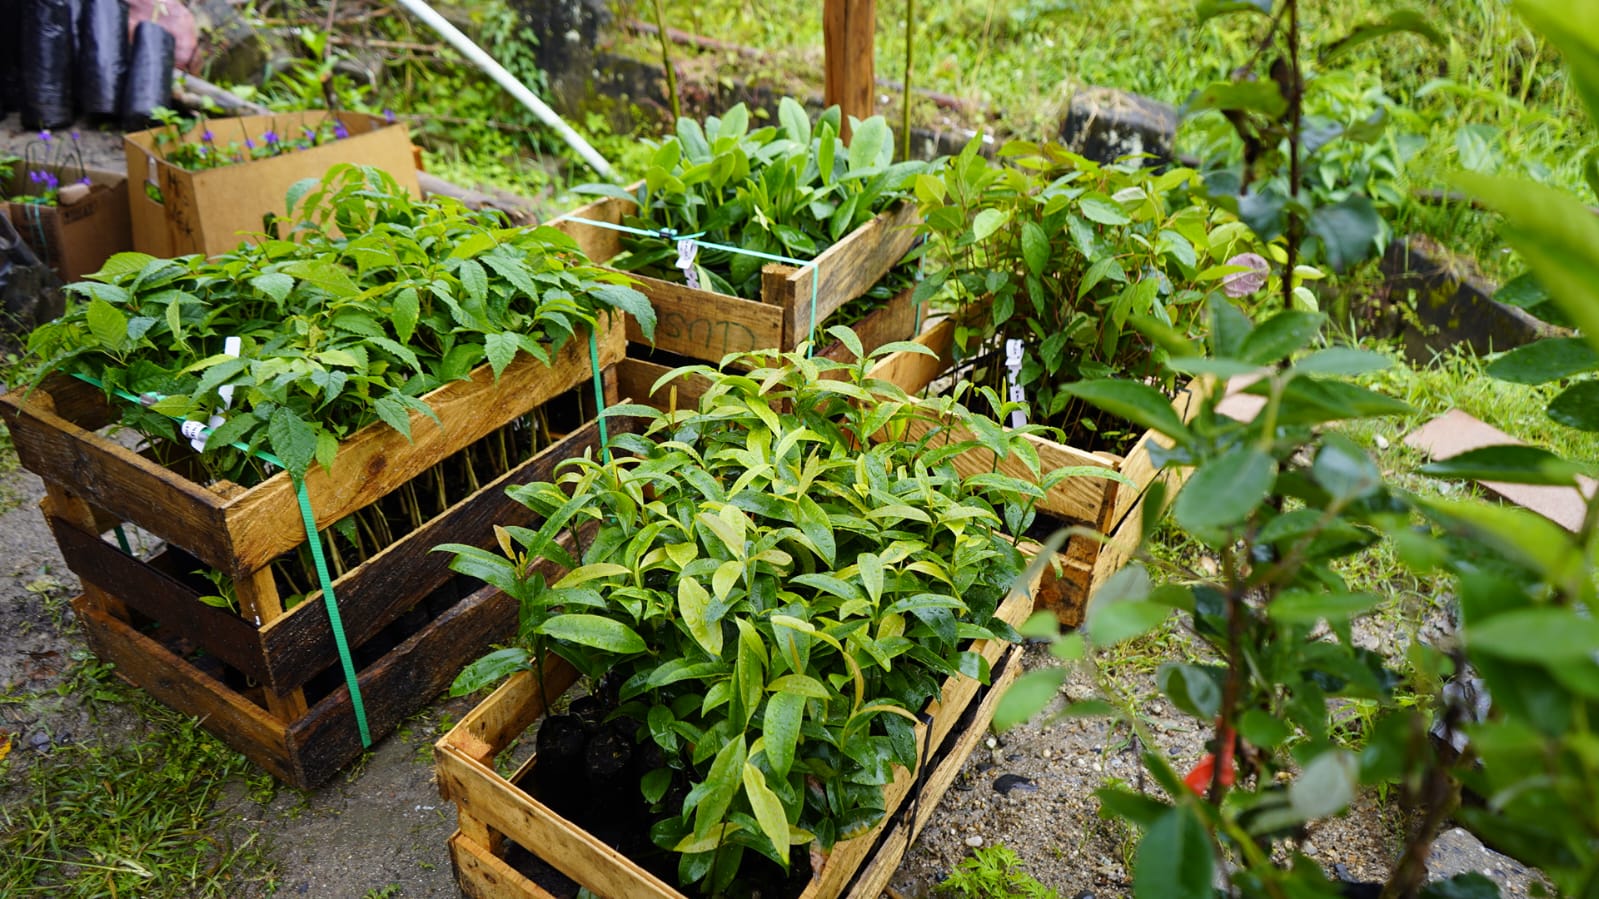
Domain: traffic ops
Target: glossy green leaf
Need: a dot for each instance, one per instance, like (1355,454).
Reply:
(1175,859)
(1577,406)
(693,604)
(1225,491)
(489,670)
(594,631)
(1138,403)
(1546,360)
(1029,695)
(1547,635)
(1193,688)
(768,809)
(1280,336)
(292,440)
(1508,463)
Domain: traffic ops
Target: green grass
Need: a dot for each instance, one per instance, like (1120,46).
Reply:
(141,817)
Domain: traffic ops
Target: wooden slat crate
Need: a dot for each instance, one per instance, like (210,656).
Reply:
(265,680)
(495,813)
(707,326)
(1106,506)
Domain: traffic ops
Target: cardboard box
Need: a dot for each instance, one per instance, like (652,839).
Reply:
(176,212)
(75,240)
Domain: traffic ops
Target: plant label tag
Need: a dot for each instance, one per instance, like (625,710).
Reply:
(1017,393)
(687,250)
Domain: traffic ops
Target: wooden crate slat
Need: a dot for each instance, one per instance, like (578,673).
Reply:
(483,875)
(466,776)
(179,685)
(157,594)
(846,269)
(265,522)
(300,644)
(706,325)
(517,704)
(407,678)
(875,874)
(113,478)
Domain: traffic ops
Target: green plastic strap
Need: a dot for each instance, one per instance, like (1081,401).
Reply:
(599,396)
(671,234)
(326,580)
(122,541)
(311,536)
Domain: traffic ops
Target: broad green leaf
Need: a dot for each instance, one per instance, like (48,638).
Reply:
(630,301)
(1548,636)
(406,311)
(721,785)
(1206,10)
(1348,229)
(1413,21)
(987,222)
(1192,688)
(871,568)
(1326,786)
(1111,623)
(1261,728)
(796,124)
(768,809)
(276,285)
(780,731)
(586,573)
(1175,859)
(801,685)
(292,440)
(595,631)
(500,349)
(1248,96)
(1225,491)
(1342,361)
(725,578)
(1138,403)
(1035,248)
(1280,336)
(489,670)
(1102,209)
(394,413)
(693,604)
(1577,406)
(1508,463)
(868,140)
(1028,696)
(107,323)
(1307,607)
(1543,361)
(1344,470)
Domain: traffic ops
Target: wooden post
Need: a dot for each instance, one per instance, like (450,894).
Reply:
(848,28)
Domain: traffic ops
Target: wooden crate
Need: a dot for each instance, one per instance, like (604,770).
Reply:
(703,325)
(248,676)
(494,813)
(1106,506)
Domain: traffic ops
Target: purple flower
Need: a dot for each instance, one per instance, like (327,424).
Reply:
(74,134)
(250,143)
(388,116)
(339,131)
(271,137)
(84,181)
(208,137)
(37,177)
(45,135)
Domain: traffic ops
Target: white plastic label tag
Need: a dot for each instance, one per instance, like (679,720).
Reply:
(1017,393)
(687,250)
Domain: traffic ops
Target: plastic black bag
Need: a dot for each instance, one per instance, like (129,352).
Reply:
(30,293)
(102,55)
(149,81)
(10,56)
(46,64)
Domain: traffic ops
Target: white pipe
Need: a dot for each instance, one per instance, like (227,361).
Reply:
(508,81)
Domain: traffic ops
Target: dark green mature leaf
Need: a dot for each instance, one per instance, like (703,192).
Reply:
(1344,470)
(1307,607)
(1195,689)
(1175,858)
(107,323)
(1509,463)
(1413,21)
(1540,635)
(1340,360)
(292,440)
(1545,360)
(490,670)
(1348,229)
(1111,623)
(1138,403)
(1577,406)
(1280,336)
(1326,786)
(1035,247)
(1470,885)
(1225,491)
(500,349)
(781,729)
(721,785)
(594,631)
(1246,96)
(394,413)
(274,284)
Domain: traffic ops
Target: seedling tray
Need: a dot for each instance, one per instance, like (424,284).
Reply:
(704,325)
(494,813)
(260,679)
(1110,508)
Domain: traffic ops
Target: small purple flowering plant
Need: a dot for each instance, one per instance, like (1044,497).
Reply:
(206,153)
(46,161)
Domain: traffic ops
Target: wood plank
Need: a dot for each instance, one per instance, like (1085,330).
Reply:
(1456,432)
(407,678)
(598,243)
(573,851)
(913,372)
(483,875)
(265,522)
(849,78)
(636,377)
(301,644)
(512,708)
(874,876)
(706,325)
(174,682)
(846,269)
(111,477)
(162,597)
(58,502)
(894,320)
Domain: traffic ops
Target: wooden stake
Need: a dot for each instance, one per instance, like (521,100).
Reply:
(848,29)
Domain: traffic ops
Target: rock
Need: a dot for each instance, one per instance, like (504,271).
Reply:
(1005,783)
(1105,124)
(974,841)
(72,194)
